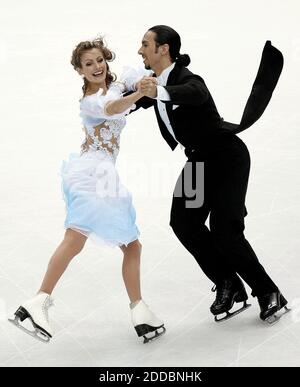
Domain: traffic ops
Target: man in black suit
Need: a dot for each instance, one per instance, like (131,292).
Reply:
(186,114)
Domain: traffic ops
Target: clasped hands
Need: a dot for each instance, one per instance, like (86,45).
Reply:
(147,86)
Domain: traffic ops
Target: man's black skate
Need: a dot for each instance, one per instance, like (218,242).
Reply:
(270,304)
(229,291)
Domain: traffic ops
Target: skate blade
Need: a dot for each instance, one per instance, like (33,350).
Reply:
(157,334)
(37,333)
(277,316)
(232,314)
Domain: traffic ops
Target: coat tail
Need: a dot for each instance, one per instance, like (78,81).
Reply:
(269,71)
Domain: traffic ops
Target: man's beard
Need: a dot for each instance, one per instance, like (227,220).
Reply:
(147,67)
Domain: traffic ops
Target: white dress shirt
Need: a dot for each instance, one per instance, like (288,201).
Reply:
(131,76)
(163,95)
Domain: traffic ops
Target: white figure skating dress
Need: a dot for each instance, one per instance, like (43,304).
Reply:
(98,205)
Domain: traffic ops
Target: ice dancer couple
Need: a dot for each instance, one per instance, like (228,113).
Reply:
(218,165)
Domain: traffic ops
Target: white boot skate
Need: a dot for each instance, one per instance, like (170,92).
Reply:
(145,321)
(36,309)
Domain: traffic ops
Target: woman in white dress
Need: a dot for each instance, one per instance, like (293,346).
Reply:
(98,206)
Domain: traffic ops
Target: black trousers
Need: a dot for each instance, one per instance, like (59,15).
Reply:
(221,249)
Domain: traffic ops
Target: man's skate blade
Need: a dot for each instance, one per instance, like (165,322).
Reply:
(277,316)
(37,333)
(156,335)
(232,314)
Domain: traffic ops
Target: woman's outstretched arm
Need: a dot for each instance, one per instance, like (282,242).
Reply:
(120,105)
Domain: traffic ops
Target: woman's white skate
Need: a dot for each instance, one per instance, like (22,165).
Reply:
(146,323)
(36,310)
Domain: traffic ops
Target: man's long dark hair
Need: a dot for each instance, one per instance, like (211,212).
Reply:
(166,35)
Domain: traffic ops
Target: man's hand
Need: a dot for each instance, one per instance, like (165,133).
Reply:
(147,86)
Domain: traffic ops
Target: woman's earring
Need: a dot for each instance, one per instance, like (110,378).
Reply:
(82,76)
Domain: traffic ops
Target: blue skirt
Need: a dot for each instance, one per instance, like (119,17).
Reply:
(98,205)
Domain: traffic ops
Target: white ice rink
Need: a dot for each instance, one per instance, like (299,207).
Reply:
(40,127)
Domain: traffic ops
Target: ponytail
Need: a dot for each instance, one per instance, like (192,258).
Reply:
(183,60)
